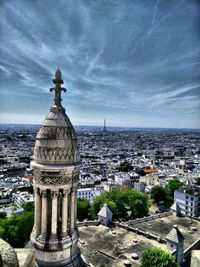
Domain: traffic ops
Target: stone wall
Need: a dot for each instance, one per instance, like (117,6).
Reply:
(150,218)
(195,259)
(139,232)
(88,223)
(126,225)
(26,257)
(23,257)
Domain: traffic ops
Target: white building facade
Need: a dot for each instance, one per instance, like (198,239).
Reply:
(187,201)
(88,193)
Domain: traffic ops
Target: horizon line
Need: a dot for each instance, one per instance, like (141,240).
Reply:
(137,127)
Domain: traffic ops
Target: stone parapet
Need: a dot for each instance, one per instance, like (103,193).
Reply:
(26,257)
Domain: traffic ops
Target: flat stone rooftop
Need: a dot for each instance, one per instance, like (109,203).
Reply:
(102,246)
(162,226)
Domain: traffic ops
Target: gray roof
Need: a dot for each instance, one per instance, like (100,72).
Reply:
(191,190)
(105,211)
(175,235)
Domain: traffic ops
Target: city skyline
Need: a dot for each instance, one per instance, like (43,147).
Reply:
(134,63)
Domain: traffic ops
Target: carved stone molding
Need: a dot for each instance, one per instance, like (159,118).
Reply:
(66,149)
(52,180)
(54,193)
(56,132)
(65,193)
(76,178)
(68,154)
(44,193)
(37,191)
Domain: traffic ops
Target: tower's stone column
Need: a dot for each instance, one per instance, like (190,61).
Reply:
(54,215)
(44,214)
(75,207)
(37,212)
(64,212)
(72,210)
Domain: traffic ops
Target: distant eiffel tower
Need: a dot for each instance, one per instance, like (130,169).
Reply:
(104,127)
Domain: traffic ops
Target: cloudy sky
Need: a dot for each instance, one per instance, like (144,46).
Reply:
(134,62)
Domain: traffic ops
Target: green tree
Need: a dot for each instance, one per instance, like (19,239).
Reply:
(198,181)
(1,232)
(3,214)
(28,207)
(159,194)
(174,185)
(83,209)
(141,172)
(125,167)
(16,230)
(126,203)
(98,204)
(156,257)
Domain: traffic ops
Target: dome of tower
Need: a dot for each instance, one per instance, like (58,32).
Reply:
(56,141)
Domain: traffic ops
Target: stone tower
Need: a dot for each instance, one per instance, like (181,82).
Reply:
(56,165)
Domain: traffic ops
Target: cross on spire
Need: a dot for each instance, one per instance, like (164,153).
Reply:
(58,89)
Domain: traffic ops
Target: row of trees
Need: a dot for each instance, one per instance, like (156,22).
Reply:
(124,204)
(165,196)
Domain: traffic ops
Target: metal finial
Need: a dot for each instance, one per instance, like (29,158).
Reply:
(58,74)
(58,81)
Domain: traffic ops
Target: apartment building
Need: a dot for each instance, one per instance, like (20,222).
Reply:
(187,201)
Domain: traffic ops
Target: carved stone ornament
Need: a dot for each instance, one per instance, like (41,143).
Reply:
(53,180)
(67,154)
(37,191)
(58,89)
(44,193)
(54,193)
(57,132)
(65,193)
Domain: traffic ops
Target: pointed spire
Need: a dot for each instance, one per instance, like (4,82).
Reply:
(58,81)
(104,127)
(58,75)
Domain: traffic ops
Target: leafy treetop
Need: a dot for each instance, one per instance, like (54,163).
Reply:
(155,257)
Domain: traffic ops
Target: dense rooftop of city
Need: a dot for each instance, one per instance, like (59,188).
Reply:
(141,159)
(165,153)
